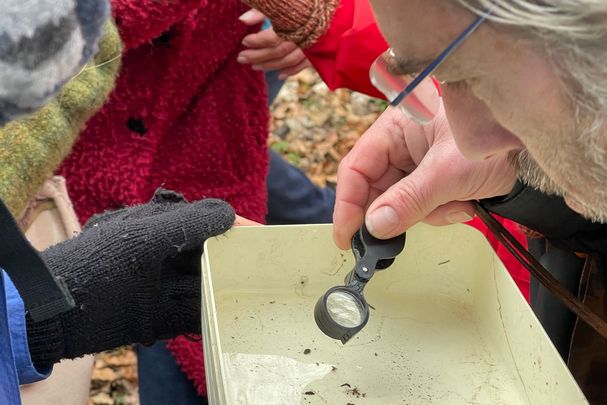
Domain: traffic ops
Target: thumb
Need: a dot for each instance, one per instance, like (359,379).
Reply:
(423,194)
(187,226)
(252,17)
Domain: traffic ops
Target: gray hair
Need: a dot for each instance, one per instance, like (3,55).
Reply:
(573,34)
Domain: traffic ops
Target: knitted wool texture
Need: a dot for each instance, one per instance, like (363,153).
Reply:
(33,147)
(184,115)
(300,21)
(146,283)
(43,43)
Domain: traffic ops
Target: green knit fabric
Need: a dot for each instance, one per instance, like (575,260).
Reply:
(32,148)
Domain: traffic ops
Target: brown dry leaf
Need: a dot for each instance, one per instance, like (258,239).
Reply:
(104,374)
(314,128)
(115,376)
(101,399)
(130,374)
(124,358)
(332,179)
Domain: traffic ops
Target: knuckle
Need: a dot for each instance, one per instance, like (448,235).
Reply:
(345,165)
(410,199)
(273,39)
(293,58)
(284,48)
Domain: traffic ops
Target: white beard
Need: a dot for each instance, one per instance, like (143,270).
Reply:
(593,205)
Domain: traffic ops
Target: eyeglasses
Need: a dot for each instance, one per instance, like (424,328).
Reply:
(417,96)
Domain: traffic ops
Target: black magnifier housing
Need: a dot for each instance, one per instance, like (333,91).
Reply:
(343,311)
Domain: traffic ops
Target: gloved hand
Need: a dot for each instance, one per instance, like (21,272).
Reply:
(298,21)
(134,275)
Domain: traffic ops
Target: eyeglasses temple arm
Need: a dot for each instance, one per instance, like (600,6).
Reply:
(440,59)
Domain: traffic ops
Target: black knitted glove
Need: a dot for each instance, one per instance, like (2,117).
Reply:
(135,277)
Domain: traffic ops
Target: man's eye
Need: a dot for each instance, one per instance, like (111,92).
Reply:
(442,78)
(459,85)
(444,82)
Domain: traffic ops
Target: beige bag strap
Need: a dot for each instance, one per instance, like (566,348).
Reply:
(48,220)
(44,294)
(52,195)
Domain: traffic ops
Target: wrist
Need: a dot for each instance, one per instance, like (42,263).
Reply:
(300,21)
(45,341)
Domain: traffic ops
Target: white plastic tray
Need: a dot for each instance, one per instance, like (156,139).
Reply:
(449,325)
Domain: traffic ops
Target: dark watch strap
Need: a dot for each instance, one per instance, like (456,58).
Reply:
(43,294)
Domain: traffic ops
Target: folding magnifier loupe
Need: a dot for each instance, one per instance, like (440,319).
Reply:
(343,311)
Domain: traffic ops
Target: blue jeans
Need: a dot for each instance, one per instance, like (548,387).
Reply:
(274,85)
(292,197)
(161,381)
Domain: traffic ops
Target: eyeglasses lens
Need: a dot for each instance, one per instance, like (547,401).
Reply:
(421,104)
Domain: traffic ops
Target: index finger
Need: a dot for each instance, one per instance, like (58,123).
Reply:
(273,55)
(379,159)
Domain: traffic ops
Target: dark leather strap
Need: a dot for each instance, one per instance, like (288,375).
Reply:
(540,272)
(43,294)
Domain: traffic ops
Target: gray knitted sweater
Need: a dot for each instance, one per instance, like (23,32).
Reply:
(44,43)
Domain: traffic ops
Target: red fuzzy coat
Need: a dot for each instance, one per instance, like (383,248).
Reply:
(184,115)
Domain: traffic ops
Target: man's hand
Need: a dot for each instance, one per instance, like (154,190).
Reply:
(267,51)
(400,173)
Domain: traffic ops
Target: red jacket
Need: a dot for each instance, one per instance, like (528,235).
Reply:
(343,57)
(345,53)
(184,115)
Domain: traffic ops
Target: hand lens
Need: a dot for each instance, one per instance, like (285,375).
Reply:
(342,311)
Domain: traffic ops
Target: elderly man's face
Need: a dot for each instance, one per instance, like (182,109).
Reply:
(502,96)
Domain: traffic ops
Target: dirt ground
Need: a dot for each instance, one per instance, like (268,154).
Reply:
(313,129)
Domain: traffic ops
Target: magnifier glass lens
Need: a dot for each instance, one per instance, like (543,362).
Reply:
(345,309)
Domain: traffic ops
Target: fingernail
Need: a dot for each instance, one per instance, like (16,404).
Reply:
(256,67)
(242,59)
(458,217)
(381,221)
(247,16)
